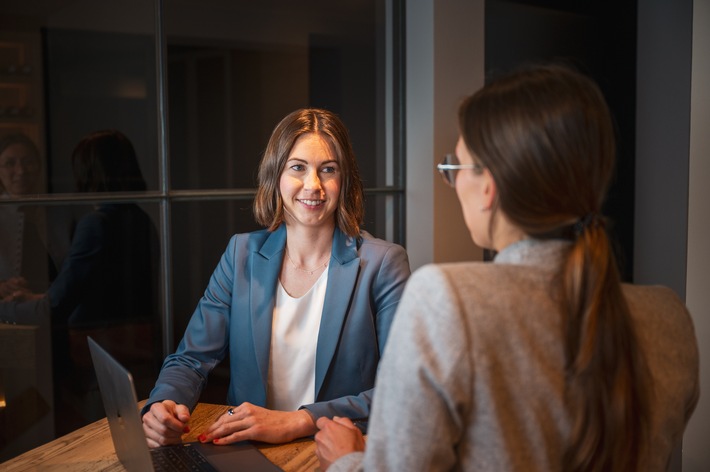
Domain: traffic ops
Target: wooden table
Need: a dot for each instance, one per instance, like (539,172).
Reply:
(90,449)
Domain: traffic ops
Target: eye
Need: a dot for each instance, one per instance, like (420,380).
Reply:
(329,169)
(297,167)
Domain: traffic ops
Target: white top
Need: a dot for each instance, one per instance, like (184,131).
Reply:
(294,340)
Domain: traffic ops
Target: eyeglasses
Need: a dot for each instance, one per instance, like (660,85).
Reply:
(450,165)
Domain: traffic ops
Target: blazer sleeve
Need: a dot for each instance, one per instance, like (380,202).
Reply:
(205,342)
(423,385)
(80,267)
(383,295)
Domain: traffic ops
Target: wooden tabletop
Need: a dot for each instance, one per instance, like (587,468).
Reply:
(90,449)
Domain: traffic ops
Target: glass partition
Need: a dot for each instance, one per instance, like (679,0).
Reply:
(130,134)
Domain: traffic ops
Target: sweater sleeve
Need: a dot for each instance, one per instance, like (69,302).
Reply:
(424,382)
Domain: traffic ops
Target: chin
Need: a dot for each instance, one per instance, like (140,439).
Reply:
(483,243)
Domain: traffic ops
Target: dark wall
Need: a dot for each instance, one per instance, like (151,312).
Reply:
(97,80)
(599,38)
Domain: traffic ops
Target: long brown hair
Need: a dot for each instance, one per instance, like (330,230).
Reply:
(546,135)
(268,206)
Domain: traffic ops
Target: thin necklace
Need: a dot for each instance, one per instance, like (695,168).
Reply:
(308,271)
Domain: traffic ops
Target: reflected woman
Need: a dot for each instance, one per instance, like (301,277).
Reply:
(25,264)
(107,285)
(110,272)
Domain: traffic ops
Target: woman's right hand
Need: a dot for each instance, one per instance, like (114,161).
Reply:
(9,288)
(165,423)
(336,438)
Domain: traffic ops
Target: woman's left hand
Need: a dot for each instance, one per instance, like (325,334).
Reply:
(251,422)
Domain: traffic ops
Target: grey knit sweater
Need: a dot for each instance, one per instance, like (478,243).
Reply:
(472,377)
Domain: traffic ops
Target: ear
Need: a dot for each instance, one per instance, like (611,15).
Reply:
(490,191)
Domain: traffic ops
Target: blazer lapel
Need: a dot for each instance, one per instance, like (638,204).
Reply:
(342,277)
(266,265)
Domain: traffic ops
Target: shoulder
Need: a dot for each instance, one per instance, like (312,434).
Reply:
(370,245)
(444,284)
(492,294)
(471,277)
(252,241)
(389,258)
(93,220)
(658,310)
(665,331)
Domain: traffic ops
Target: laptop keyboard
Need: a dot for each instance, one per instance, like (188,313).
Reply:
(179,458)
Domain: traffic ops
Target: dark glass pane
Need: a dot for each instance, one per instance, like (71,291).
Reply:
(231,79)
(101,78)
(384,213)
(94,272)
(89,266)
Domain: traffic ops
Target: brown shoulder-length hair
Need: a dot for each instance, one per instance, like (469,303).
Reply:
(105,161)
(268,205)
(546,135)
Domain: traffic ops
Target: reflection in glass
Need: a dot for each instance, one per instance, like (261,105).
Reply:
(106,287)
(87,266)
(28,259)
(233,70)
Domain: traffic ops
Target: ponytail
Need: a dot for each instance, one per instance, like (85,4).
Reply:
(606,377)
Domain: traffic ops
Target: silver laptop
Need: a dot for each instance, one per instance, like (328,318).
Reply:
(121,405)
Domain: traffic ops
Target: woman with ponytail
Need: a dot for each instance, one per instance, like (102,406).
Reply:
(541,360)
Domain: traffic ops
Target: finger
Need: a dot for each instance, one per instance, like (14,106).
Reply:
(344,421)
(151,442)
(232,438)
(160,437)
(182,413)
(324,463)
(162,417)
(223,426)
(322,422)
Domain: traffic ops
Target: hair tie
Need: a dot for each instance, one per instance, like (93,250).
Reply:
(590,220)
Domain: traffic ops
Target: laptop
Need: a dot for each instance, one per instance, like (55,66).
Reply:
(121,405)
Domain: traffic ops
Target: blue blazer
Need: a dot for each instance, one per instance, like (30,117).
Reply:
(366,278)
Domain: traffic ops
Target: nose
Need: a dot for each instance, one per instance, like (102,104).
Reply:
(312,181)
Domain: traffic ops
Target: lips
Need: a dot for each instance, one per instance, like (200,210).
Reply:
(312,203)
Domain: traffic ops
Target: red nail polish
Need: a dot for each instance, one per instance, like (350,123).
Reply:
(202,438)
(186,429)
(216,441)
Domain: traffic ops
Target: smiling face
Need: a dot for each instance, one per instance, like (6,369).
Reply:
(310,183)
(19,170)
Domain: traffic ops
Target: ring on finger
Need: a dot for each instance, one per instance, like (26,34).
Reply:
(230,411)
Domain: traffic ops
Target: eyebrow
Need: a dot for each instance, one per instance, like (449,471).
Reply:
(331,161)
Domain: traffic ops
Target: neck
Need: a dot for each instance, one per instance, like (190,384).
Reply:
(505,233)
(308,248)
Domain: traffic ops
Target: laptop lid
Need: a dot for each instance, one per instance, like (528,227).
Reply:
(121,405)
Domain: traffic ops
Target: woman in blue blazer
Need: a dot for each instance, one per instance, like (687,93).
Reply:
(302,308)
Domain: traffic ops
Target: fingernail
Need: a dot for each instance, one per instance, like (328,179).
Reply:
(216,441)
(202,438)
(186,429)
